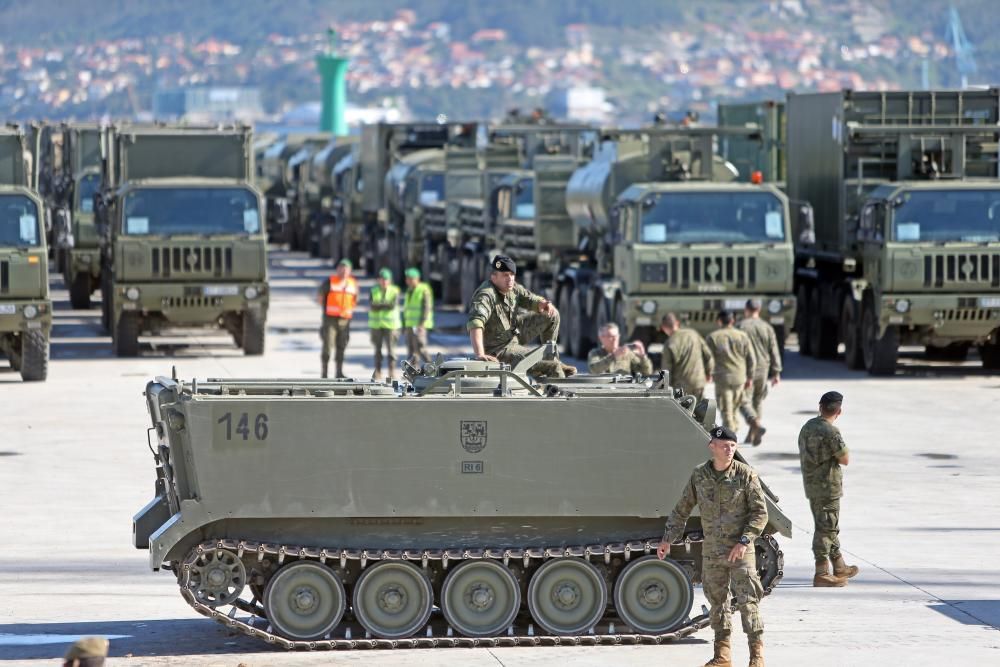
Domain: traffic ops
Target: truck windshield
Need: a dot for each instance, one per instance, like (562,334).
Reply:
(523,205)
(18,221)
(972,216)
(173,211)
(712,217)
(86,188)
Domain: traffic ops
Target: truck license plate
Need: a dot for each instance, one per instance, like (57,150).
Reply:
(7,309)
(735,304)
(989,302)
(220,290)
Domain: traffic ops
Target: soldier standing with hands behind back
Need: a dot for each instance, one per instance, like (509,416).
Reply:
(733,514)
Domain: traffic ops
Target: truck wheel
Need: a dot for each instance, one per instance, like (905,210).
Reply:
(105,302)
(470,278)
(780,335)
(880,353)
(79,292)
(125,337)
(802,318)
(34,355)
(823,332)
(953,352)
(254,331)
(563,303)
(990,353)
(851,334)
(602,313)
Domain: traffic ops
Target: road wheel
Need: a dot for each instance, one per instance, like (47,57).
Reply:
(567,596)
(304,601)
(802,318)
(851,334)
(470,278)
(34,355)
(79,292)
(822,332)
(880,353)
(393,600)
(253,334)
(653,596)
(125,337)
(480,598)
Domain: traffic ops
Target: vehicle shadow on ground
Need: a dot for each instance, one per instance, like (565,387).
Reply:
(912,366)
(143,638)
(971,612)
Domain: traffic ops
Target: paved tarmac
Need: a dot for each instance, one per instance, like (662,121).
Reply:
(919,517)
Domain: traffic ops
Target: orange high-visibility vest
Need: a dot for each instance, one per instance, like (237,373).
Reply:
(342,297)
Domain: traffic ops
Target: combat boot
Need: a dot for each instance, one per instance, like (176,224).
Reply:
(842,569)
(326,367)
(568,371)
(757,653)
(823,578)
(723,656)
(340,371)
(757,432)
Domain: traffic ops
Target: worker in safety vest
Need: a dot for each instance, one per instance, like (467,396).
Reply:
(418,315)
(338,295)
(383,320)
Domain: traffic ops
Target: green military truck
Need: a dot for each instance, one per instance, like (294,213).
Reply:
(414,184)
(183,240)
(765,153)
(302,207)
(905,249)
(25,308)
(658,223)
(319,194)
(277,181)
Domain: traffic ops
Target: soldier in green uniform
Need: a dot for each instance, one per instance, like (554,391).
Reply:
(733,514)
(767,370)
(383,320)
(734,369)
(611,357)
(499,332)
(686,357)
(822,452)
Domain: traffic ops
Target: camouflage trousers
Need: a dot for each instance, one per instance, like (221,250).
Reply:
(731,399)
(826,535)
(387,339)
(755,396)
(335,332)
(722,581)
(529,328)
(416,345)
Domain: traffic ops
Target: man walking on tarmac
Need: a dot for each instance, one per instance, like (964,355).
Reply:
(822,452)
(499,332)
(686,357)
(733,514)
(338,295)
(734,369)
(768,361)
(418,315)
(383,320)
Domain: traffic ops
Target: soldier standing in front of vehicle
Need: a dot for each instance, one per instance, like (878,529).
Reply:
(733,514)
(497,330)
(734,369)
(768,356)
(383,321)
(418,315)
(338,295)
(611,357)
(822,452)
(686,357)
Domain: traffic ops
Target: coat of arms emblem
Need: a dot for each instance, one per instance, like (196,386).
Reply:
(473,436)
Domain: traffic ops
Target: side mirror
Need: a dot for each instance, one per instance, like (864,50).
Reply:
(806,222)
(282,216)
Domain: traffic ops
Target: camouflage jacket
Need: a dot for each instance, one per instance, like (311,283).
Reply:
(765,346)
(599,361)
(734,356)
(820,445)
(688,359)
(731,504)
(496,314)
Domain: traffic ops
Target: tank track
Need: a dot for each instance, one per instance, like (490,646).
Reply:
(256,625)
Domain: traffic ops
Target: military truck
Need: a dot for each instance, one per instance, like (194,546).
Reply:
(319,194)
(413,184)
(905,248)
(302,209)
(658,223)
(25,308)
(182,234)
(765,153)
(278,183)
(513,543)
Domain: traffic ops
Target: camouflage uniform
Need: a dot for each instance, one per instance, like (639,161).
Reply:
(734,364)
(506,331)
(599,361)
(768,357)
(820,445)
(732,504)
(688,360)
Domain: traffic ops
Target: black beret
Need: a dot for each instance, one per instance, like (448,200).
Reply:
(722,433)
(831,397)
(504,263)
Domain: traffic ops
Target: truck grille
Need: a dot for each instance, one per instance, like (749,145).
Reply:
(968,314)
(941,270)
(191,302)
(685,272)
(4,277)
(203,261)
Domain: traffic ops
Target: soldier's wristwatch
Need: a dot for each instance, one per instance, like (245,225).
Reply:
(744,540)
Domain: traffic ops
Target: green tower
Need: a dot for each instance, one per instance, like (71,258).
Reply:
(332,69)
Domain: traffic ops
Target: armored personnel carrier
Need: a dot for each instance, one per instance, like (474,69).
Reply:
(464,506)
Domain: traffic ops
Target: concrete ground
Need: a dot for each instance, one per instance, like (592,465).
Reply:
(919,517)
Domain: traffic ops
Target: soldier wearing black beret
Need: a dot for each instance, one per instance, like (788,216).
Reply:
(500,331)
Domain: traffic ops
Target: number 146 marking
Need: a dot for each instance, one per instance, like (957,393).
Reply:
(243,426)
